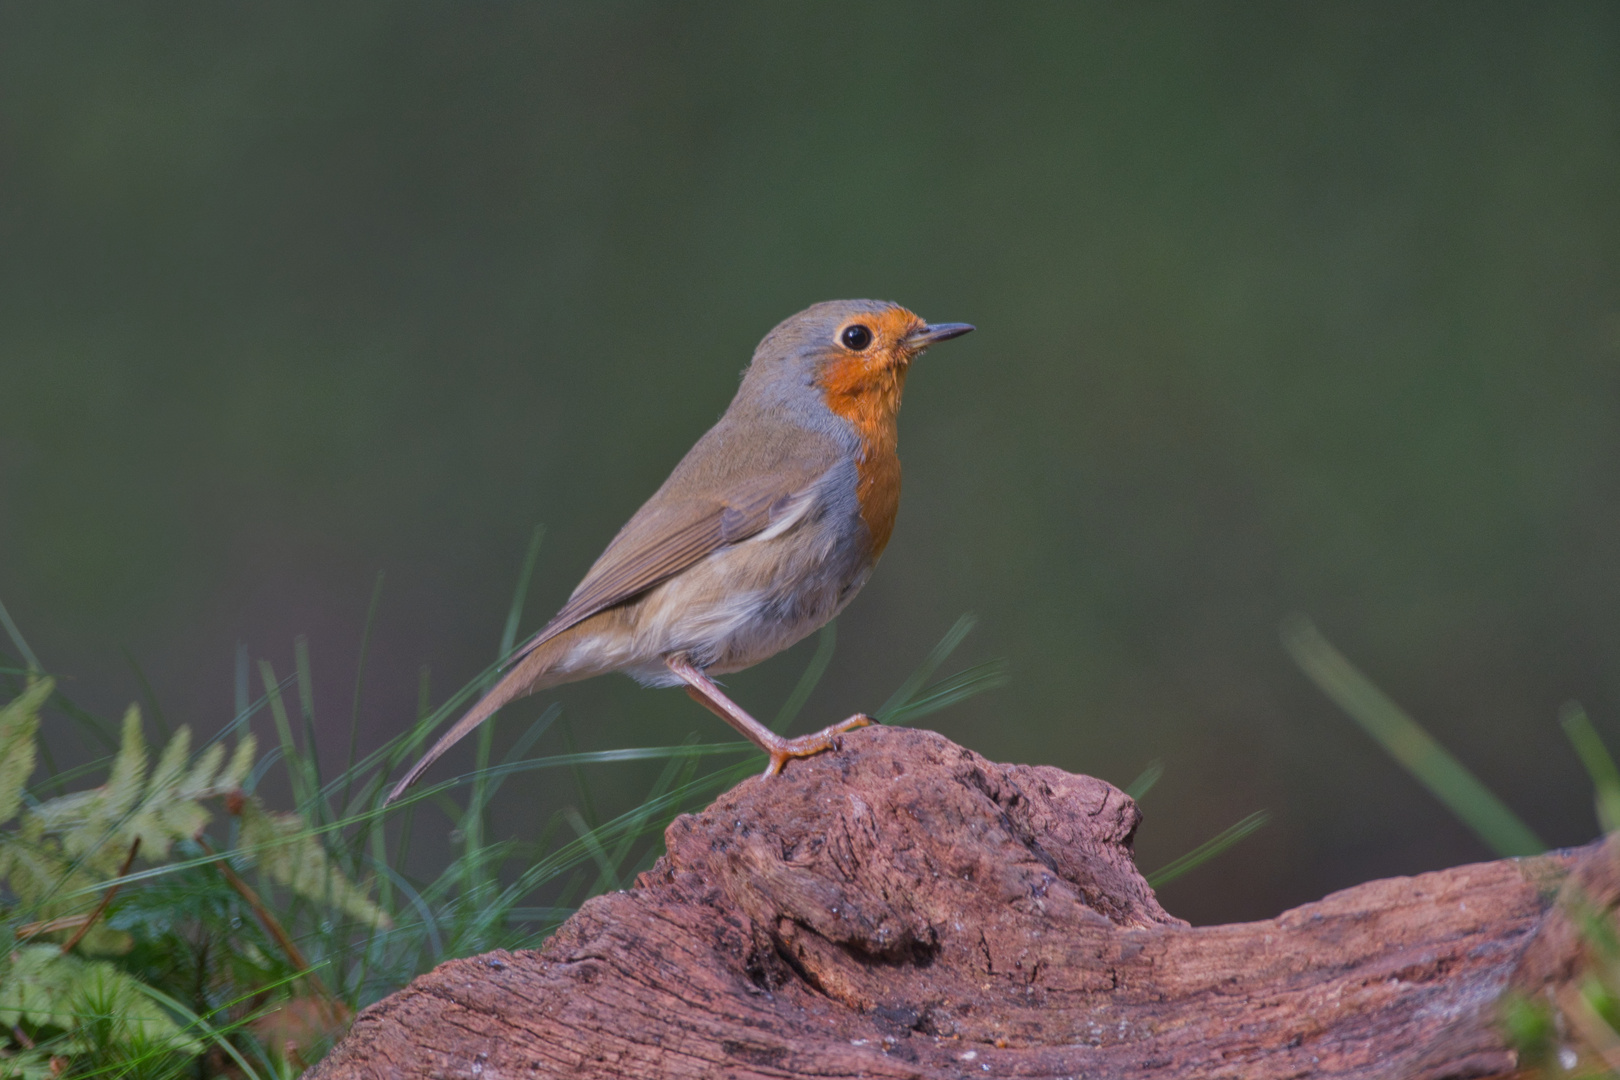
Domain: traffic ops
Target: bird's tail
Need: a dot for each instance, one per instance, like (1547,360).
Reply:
(530,675)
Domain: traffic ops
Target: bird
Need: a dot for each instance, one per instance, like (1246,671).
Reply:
(762,534)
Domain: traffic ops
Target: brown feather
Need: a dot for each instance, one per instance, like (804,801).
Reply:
(641,557)
(664,538)
(809,407)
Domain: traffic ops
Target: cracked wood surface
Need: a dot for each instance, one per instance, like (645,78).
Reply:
(905,908)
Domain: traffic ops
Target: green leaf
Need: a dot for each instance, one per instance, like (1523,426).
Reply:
(124,783)
(236,773)
(88,822)
(33,1064)
(99,826)
(163,814)
(201,777)
(289,853)
(37,873)
(43,987)
(17,639)
(19,724)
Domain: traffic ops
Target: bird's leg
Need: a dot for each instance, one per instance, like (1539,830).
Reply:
(703,691)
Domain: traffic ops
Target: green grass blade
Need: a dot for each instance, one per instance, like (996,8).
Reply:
(589,757)
(17,639)
(207,1030)
(636,826)
(582,787)
(1206,851)
(306,706)
(158,719)
(525,743)
(948,691)
(682,782)
(473,818)
(404,743)
(106,734)
(1599,764)
(474,823)
(1145,781)
(591,838)
(430,922)
(826,643)
(514,614)
(936,656)
(538,914)
(289,749)
(359,683)
(242,679)
(1406,741)
(579,850)
(409,743)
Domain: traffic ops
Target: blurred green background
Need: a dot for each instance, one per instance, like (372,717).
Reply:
(1281,307)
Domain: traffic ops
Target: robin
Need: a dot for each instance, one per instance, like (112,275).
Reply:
(766,529)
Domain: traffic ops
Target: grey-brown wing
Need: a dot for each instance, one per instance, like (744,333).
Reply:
(663,539)
(719,494)
(666,538)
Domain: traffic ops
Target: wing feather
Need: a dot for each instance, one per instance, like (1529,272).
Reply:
(656,546)
(724,491)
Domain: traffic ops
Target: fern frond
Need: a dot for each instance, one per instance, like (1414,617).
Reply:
(43,987)
(19,723)
(289,853)
(30,1065)
(163,814)
(35,869)
(236,773)
(124,783)
(201,777)
(53,894)
(100,825)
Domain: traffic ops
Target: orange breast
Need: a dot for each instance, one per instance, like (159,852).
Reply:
(870,400)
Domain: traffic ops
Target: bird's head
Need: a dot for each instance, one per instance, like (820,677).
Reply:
(853,354)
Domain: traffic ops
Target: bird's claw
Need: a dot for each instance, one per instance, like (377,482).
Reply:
(828,738)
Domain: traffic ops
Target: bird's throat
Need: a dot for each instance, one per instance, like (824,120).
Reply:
(869,399)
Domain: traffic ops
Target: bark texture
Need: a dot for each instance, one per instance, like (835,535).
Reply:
(905,908)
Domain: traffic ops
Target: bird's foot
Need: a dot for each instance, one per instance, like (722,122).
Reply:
(828,738)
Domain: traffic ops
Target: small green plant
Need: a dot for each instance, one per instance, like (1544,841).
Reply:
(64,861)
(167,921)
(1576,1031)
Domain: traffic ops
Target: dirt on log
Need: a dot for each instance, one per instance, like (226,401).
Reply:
(905,908)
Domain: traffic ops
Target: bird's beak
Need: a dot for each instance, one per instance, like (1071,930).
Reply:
(924,336)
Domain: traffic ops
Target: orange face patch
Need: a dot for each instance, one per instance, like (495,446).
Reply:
(864,386)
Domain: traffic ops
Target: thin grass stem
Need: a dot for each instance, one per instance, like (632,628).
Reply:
(1406,741)
(1207,850)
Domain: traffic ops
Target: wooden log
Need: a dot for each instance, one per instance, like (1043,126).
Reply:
(905,908)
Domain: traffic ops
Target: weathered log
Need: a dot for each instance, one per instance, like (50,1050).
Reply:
(905,908)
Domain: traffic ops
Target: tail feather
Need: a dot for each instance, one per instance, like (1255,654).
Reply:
(526,678)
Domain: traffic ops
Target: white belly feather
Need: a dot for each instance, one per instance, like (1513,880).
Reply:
(743,603)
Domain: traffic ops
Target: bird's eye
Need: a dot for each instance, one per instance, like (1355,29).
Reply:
(856,337)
